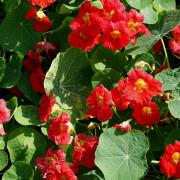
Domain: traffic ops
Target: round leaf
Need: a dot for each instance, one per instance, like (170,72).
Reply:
(19,170)
(12,105)
(25,144)
(2,143)
(3,160)
(174,107)
(27,115)
(122,155)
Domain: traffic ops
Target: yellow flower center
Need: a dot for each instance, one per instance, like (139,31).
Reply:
(176,157)
(40,14)
(86,18)
(147,110)
(63,178)
(101,99)
(140,84)
(132,25)
(115,34)
(83,36)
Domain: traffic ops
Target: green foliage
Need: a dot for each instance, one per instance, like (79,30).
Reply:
(3,160)
(27,115)
(67,79)
(19,170)
(122,155)
(10,5)
(2,143)
(12,105)
(16,33)
(166,5)
(25,144)
(2,67)
(172,137)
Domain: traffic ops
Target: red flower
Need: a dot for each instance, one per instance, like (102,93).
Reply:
(88,15)
(141,87)
(147,114)
(33,62)
(124,126)
(115,36)
(42,3)
(120,101)
(4,112)
(31,14)
(157,47)
(59,128)
(135,24)
(84,150)
(37,81)
(99,102)
(170,160)
(2,131)
(85,37)
(113,11)
(45,107)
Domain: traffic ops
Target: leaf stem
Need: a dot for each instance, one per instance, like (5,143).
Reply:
(166,59)
(114,109)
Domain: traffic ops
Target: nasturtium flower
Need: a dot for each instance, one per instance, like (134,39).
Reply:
(59,130)
(146,114)
(141,87)
(99,102)
(41,3)
(4,112)
(84,150)
(124,126)
(170,160)
(45,107)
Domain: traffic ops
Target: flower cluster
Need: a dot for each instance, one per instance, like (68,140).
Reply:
(175,43)
(136,91)
(111,25)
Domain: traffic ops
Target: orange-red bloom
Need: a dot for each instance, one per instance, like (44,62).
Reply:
(147,114)
(42,3)
(99,102)
(170,160)
(141,87)
(4,112)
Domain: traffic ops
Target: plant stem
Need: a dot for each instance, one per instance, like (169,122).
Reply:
(166,59)
(114,109)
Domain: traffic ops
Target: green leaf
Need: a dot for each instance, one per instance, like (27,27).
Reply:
(25,87)
(150,16)
(12,72)
(166,5)
(27,115)
(16,33)
(19,171)
(122,155)
(172,137)
(25,144)
(2,67)
(108,77)
(167,21)
(12,105)
(10,5)
(2,143)
(174,107)
(65,9)
(169,78)
(139,4)
(3,160)
(69,79)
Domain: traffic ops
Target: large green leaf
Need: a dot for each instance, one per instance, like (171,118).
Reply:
(166,5)
(139,4)
(174,107)
(2,67)
(16,33)
(122,155)
(27,115)
(12,105)
(3,160)
(2,143)
(19,171)
(169,78)
(12,72)
(25,144)
(167,21)
(26,88)
(10,5)
(69,79)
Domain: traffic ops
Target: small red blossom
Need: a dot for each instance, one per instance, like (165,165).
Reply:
(4,112)
(141,87)
(37,81)
(33,62)
(84,150)
(115,36)
(147,114)
(99,102)
(170,160)
(157,47)
(42,25)
(135,24)
(45,107)
(124,126)
(41,3)
(31,14)
(59,130)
